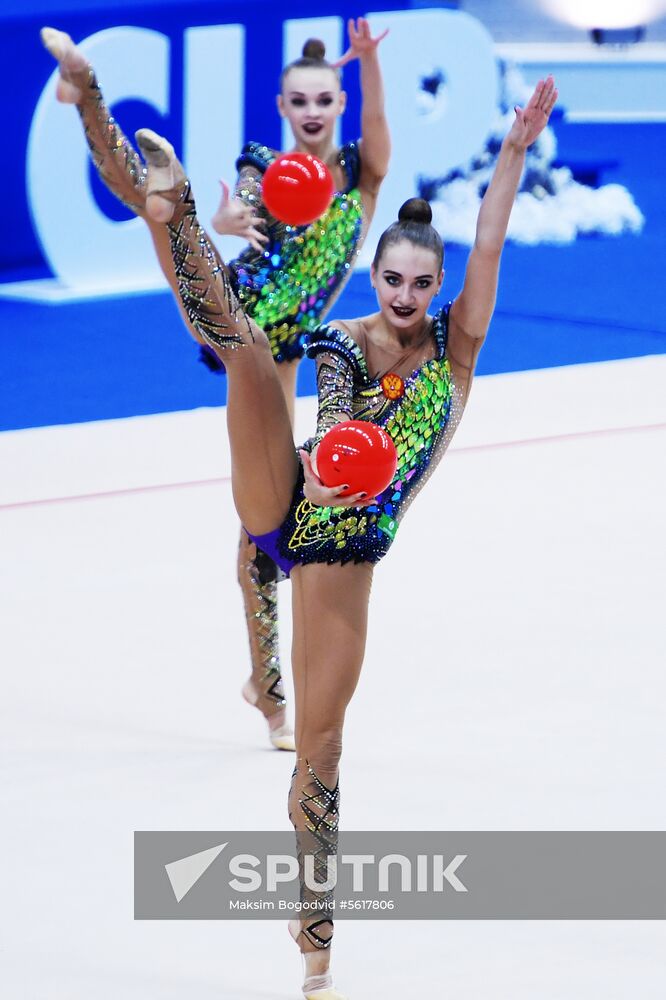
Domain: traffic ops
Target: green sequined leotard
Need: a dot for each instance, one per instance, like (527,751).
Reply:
(421,423)
(289,286)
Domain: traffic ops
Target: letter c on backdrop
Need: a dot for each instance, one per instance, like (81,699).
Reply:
(86,249)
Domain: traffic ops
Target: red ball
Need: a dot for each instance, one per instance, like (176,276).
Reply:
(297,188)
(359,454)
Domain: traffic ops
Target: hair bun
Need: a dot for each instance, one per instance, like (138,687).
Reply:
(416,210)
(314,48)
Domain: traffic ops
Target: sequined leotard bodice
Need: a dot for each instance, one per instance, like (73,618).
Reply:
(289,285)
(420,422)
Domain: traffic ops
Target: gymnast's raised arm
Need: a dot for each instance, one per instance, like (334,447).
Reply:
(375,136)
(473,308)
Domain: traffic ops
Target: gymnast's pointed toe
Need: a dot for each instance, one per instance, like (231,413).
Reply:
(166,177)
(74,67)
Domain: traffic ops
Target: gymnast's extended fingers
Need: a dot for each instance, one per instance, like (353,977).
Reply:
(552,102)
(255,238)
(535,99)
(355,500)
(546,93)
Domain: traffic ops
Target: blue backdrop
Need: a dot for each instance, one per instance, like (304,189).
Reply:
(28,66)
(599,298)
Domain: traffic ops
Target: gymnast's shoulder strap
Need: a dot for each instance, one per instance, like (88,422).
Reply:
(441,328)
(254,154)
(349,159)
(330,340)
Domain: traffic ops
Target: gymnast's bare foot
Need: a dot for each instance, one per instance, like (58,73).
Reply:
(72,64)
(166,177)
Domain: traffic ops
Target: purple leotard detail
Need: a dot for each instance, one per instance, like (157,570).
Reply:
(269,544)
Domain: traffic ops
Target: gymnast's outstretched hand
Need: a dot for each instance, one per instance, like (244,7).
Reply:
(361,41)
(327,496)
(235,218)
(532,120)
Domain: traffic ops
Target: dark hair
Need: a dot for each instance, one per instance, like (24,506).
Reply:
(313,57)
(413,225)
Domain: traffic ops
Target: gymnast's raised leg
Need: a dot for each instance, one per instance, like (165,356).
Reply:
(330,602)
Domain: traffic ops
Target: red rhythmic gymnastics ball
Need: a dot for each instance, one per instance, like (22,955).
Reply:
(297,188)
(359,454)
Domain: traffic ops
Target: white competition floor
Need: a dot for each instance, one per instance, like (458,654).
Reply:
(514,679)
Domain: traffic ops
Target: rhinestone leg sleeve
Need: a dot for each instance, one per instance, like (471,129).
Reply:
(256,576)
(117,162)
(315,812)
(205,290)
